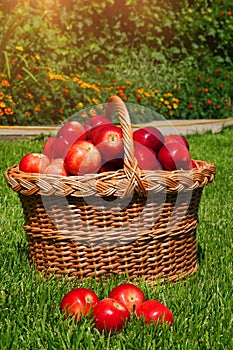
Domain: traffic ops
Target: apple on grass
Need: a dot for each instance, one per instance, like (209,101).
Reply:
(146,157)
(109,142)
(83,158)
(174,156)
(109,315)
(78,302)
(34,162)
(154,311)
(150,137)
(129,295)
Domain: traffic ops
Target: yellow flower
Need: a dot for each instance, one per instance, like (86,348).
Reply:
(161,99)
(94,100)
(166,102)
(19,48)
(93,111)
(175,105)
(175,99)
(2,104)
(84,115)
(79,105)
(37,57)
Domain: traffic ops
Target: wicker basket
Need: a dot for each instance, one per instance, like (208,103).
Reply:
(139,223)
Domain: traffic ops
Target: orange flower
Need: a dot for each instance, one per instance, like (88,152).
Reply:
(208,102)
(5,83)
(27,114)
(37,108)
(1,112)
(8,111)
(1,95)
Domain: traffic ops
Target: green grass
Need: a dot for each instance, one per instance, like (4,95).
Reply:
(202,306)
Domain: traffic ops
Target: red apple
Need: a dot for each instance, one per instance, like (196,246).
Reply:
(109,315)
(176,138)
(94,132)
(72,131)
(146,157)
(83,158)
(112,165)
(129,295)
(192,164)
(154,311)
(96,120)
(34,162)
(59,147)
(149,136)
(78,302)
(174,156)
(47,149)
(110,142)
(57,167)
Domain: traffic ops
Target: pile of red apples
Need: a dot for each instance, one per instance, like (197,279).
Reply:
(97,147)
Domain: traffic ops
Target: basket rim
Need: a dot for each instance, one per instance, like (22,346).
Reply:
(112,183)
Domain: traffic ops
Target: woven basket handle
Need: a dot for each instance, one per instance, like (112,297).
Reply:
(133,172)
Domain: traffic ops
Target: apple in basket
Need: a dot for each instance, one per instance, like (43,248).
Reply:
(146,157)
(149,136)
(59,147)
(110,142)
(72,131)
(176,138)
(83,158)
(174,156)
(94,121)
(34,162)
(57,167)
(47,149)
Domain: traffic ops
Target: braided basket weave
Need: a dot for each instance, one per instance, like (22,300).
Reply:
(139,223)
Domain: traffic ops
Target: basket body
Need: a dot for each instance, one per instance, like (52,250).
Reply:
(152,236)
(134,222)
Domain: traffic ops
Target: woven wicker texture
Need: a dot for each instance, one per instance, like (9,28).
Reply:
(142,223)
